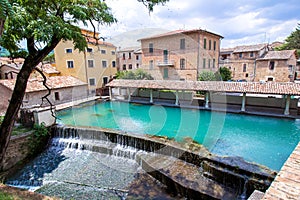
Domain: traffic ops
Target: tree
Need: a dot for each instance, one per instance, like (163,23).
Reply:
(138,74)
(43,24)
(207,76)
(292,41)
(223,74)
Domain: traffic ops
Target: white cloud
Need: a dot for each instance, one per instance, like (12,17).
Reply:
(247,22)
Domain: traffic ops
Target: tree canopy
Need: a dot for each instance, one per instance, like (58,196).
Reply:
(42,24)
(292,41)
(206,76)
(138,74)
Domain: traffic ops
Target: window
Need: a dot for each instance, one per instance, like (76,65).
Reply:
(123,56)
(270,79)
(151,64)
(204,62)
(208,63)
(104,80)
(137,57)
(240,55)
(244,67)
(92,81)
(209,45)
(182,63)
(90,63)
(290,67)
(166,73)
(113,53)
(214,63)
(104,63)
(103,51)
(137,65)
(56,96)
(124,67)
(251,54)
(246,75)
(70,64)
(271,65)
(215,45)
(130,66)
(204,43)
(69,50)
(90,50)
(129,55)
(182,43)
(150,47)
(113,63)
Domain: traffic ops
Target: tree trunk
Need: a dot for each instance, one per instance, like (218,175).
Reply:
(13,108)
(31,61)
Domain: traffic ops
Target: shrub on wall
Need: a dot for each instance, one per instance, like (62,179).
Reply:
(39,139)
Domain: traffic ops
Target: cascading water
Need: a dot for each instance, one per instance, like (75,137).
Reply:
(66,170)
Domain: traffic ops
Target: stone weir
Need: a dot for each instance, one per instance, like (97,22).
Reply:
(187,169)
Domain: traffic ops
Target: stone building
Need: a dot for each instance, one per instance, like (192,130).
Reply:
(241,60)
(64,89)
(260,63)
(180,54)
(129,58)
(95,66)
(279,66)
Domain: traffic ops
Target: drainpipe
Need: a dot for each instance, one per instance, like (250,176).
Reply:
(198,56)
(254,71)
(86,72)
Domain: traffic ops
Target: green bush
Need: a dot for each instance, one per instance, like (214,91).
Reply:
(39,139)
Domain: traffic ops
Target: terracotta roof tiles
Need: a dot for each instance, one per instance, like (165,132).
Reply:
(53,82)
(216,86)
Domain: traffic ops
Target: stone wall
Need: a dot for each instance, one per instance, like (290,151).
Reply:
(17,150)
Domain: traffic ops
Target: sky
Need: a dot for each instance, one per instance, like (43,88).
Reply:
(240,22)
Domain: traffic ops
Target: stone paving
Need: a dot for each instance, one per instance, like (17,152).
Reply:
(287,183)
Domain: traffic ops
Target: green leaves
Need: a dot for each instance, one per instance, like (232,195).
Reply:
(292,41)
(138,74)
(5,9)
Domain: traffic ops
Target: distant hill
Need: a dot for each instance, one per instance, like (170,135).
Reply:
(129,39)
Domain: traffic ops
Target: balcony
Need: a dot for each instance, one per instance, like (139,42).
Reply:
(166,63)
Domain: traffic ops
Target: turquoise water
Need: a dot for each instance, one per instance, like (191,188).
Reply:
(263,140)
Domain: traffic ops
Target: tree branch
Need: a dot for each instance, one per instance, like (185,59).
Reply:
(48,94)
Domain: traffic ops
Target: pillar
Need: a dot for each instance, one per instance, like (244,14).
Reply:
(287,105)
(206,100)
(151,96)
(177,99)
(129,95)
(110,93)
(243,109)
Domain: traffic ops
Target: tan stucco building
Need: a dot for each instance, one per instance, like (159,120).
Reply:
(96,65)
(129,58)
(64,89)
(180,54)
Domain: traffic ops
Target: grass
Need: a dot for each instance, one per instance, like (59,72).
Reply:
(17,130)
(6,196)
